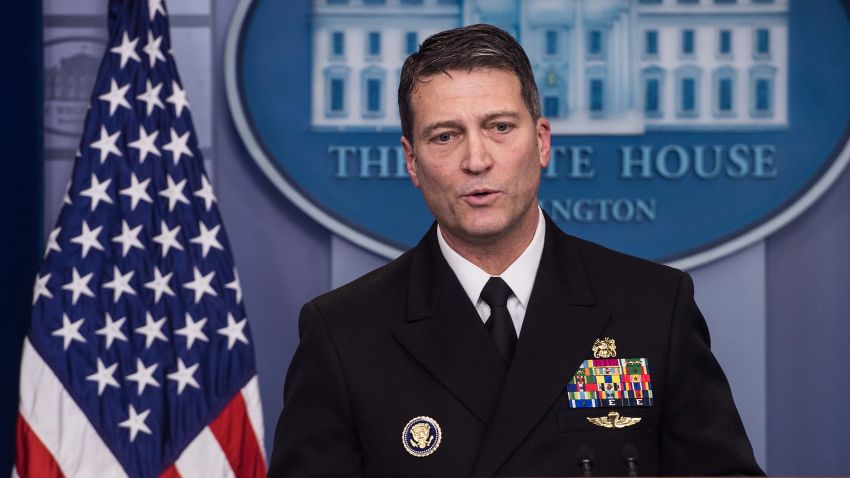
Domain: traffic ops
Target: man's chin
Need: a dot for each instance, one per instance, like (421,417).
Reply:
(494,229)
(483,232)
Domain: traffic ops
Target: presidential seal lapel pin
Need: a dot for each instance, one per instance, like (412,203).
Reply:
(604,348)
(613,420)
(421,436)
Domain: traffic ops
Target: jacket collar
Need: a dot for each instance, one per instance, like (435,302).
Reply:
(443,333)
(561,323)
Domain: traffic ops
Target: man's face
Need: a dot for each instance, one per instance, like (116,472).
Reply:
(476,154)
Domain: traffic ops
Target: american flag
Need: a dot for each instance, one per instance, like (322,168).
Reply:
(139,360)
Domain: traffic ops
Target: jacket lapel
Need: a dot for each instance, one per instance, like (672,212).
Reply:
(443,333)
(560,325)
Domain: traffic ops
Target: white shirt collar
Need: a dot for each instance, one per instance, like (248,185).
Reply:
(519,275)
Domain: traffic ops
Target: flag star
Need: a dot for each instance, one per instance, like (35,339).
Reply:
(143,376)
(97,192)
(153,49)
(104,376)
(184,376)
(178,146)
(206,192)
(129,238)
(234,331)
(174,193)
(127,49)
(66,199)
(40,288)
(70,331)
(88,238)
(79,285)
(236,286)
(116,96)
(207,238)
(201,285)
(151,97)
(145,143)
(193,331)
(167,238)
(120,283)
(137,191)
(160,284)
(136,423)
(112,330)
(152,330)
(178,98)
(52,243)
(106,144)
(154,7)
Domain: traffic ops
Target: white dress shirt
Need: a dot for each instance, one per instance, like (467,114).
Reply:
(519,275)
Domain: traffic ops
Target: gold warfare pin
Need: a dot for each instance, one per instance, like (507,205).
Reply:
(604,348)
(613,420)
(421,436)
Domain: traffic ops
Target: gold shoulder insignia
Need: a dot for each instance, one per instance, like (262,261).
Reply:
(613,420)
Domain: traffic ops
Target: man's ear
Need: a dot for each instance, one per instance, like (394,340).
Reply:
(410,161)
(544,141)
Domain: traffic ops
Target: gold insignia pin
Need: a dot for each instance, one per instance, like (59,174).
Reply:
(421,436)
(613,420)
(604,348)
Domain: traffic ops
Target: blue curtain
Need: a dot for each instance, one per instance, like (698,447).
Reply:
(21,166)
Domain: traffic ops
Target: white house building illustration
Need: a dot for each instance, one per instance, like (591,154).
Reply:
(602,66)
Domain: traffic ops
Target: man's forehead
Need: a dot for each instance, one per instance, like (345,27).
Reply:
(457,73)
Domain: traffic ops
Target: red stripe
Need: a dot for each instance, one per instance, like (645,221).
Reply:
(170,472)
(236,436)
(32,458)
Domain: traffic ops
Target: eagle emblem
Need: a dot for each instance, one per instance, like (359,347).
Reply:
(613,420)
(604,348)
(421,436)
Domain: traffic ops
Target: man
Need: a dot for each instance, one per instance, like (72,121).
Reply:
(499,345)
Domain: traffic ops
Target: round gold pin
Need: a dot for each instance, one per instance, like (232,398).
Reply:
(421,436)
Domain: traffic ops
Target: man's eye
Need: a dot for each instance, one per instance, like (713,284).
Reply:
(502,127)
(444,137)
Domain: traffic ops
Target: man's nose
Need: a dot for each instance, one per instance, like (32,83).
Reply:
(478,157)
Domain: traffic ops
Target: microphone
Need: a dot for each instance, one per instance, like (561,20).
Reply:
(585,461)
(630,459)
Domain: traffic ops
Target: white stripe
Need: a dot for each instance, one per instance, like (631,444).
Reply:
(15,472)
(204,458)
(60,423)
(251,395)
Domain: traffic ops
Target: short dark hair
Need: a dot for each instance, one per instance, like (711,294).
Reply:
(465,48)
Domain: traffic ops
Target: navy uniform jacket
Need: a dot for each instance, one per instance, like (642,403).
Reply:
(405,341)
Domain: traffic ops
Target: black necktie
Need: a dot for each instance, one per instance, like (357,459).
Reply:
(499,324)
